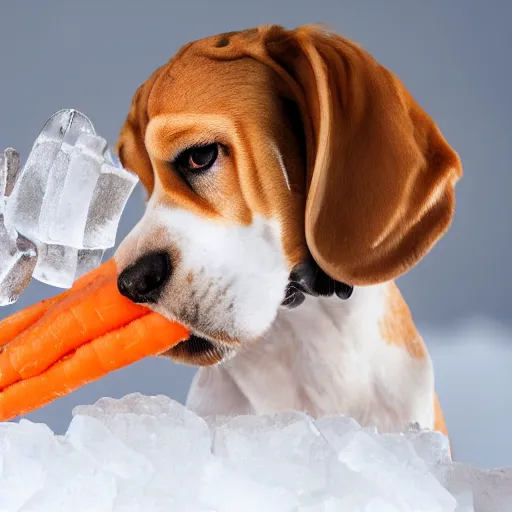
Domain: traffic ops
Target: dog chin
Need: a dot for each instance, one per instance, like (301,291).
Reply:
(198,350)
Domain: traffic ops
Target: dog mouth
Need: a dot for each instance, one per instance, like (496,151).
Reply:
(199,351)
(305,279)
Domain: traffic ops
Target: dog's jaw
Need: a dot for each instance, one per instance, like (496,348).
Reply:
(228,281)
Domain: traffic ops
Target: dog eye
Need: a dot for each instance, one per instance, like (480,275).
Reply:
(198,158)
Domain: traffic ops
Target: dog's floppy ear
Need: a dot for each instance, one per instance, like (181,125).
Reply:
(381,175)
(130,145)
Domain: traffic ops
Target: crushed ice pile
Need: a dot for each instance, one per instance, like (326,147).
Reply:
(61,212)
(152,454)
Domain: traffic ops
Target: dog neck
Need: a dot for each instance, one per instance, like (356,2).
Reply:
(328,356)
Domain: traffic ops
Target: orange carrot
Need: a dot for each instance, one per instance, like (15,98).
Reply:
(78,318)
(13,325)
(146,336)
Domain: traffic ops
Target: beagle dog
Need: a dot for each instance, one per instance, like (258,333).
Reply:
(284,170)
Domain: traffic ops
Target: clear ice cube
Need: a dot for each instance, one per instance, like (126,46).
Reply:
(91,437)
(87,260)
(67,201)
(12,168)
(49,204)
(56,265)
(9,168)
(111,194)
(285,450)
(18,258)
(404,487)
(58,135)
(67,225)
(173,439)
(17,254)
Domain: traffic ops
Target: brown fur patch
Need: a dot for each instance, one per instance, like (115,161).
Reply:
(397,327)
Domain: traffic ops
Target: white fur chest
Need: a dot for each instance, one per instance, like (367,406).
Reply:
(327,356)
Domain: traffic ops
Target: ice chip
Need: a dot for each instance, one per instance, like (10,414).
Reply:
(9,168)
(61,266)
(56,265)
(229,490)
(173,439)
(18,257)
(24,448)
(87,260)
(111,194)
(53,191)
(73,482)
(91,437)
(3,182)
(432,447)
(285,450)
(491,489)
(45,164)
(79,181)
(17,254)
(67,201)
(24,206)
(66,126)
(12,167)
(404,487)
(335,428)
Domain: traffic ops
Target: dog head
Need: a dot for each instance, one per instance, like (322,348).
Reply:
(276,163)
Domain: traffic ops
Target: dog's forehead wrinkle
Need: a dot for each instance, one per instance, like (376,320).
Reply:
(239,86)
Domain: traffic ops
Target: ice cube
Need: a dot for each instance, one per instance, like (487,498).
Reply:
(79,183)
(402,486)
(23,449)
(228,490)
(59,134)
(111,194)
(18,257)
(431,446)
(23,209)
(67,200)
(17,254)
(87,260)
(73,481)
(42,472)
(284,449)
(91,437)
(61,266)
(492,490)
(56,265)
(3,182)
(9,168)
(53,191)
(135,403)
(334,429)
(174,440)
(12,168)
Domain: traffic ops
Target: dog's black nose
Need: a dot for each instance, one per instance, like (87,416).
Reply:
(144,280)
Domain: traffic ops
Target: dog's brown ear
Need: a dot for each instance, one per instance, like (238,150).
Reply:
(381,175)
(130,147)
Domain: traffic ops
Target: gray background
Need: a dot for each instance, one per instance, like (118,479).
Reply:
(455,59)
